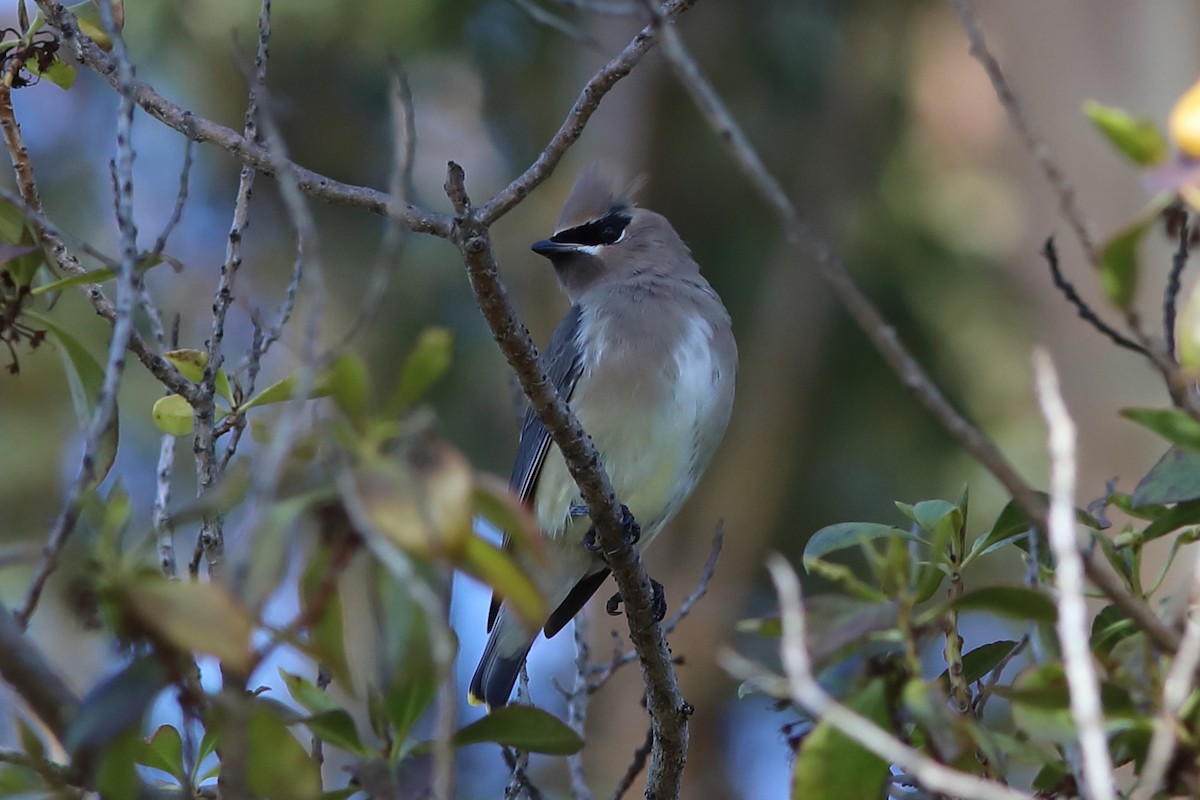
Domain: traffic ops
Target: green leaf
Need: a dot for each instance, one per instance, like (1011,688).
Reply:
(278,767)
(420,502)
(523,727)
(191,364)
(981,661)
(349,384)
(407,701)
(496,503)
(324,384)
(1172,424)
(766,627)
(208,746)
(117,773)
(426,364)
(164,751)
(831,766)
(326,638)
(100,275)
(57,72)
(85,377)
(492,566)
(1174,479)
(1040,700)
(1110,626)
(1119,263)
(1009,525)
(31,743)
(336,727)
(844,535)
(201,617)
(23,257)
(307,693)
(1013,602)
(1173,519)
(173,415)
(845,577)
(1138,138)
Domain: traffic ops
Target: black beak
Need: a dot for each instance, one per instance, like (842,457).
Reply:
(550,248)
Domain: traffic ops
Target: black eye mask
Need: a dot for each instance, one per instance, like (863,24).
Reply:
(605,230)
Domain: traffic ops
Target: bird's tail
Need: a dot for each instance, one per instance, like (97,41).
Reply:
(500,664)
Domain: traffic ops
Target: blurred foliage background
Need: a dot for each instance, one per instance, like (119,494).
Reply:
(872,114)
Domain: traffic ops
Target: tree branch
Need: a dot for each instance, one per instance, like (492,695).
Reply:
(668,711)
(807,693)
(1073,629)
(804,236)
(37,682)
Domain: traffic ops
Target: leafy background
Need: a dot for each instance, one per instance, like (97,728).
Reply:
(874,117)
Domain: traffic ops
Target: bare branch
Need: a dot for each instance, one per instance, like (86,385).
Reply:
(668,710)
(804,236)
(164,528)
(105,413)
(237,145)
(1073,626)
(1084,311)
(34,679)
(1061,186)
(400,188)
(603,672)
(577,705)
(571,129)
(1171,292)
(1177,688)
(808,694)
(555,23)
(635,767)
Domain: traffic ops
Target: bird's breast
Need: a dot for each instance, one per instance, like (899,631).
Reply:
(652,400)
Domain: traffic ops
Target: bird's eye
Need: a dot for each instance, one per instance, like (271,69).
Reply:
(609,234)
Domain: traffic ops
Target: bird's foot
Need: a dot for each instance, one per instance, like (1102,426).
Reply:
(658,602)
(632,531)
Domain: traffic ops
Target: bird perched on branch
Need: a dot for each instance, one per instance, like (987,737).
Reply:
(646,359)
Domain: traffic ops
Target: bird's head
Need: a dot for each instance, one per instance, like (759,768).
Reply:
(601,235)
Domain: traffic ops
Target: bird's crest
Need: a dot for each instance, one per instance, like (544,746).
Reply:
(597,193)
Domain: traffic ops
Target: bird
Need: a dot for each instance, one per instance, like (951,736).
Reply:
(646,359)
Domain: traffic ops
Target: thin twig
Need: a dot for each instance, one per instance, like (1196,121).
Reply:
(520,777)
(1084,311)
(1174,281)
(603,672)
(105,413)
(555,23)
(400,189)
(636,765)
(572,127)
(1178,385)
(1177,688)
(1063,190)
(251,153)
(164,528)
(211,537)
(1073,626)
(37,682)
(577,705)
(807,693)
(804,236)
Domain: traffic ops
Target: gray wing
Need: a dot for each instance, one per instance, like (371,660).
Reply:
(564,363)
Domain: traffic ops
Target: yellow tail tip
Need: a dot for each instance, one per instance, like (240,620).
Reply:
(475,701)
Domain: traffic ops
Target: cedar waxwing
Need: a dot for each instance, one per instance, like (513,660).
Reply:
(646,359)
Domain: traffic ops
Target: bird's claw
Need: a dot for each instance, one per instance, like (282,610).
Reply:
(632,532)
(658,602)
